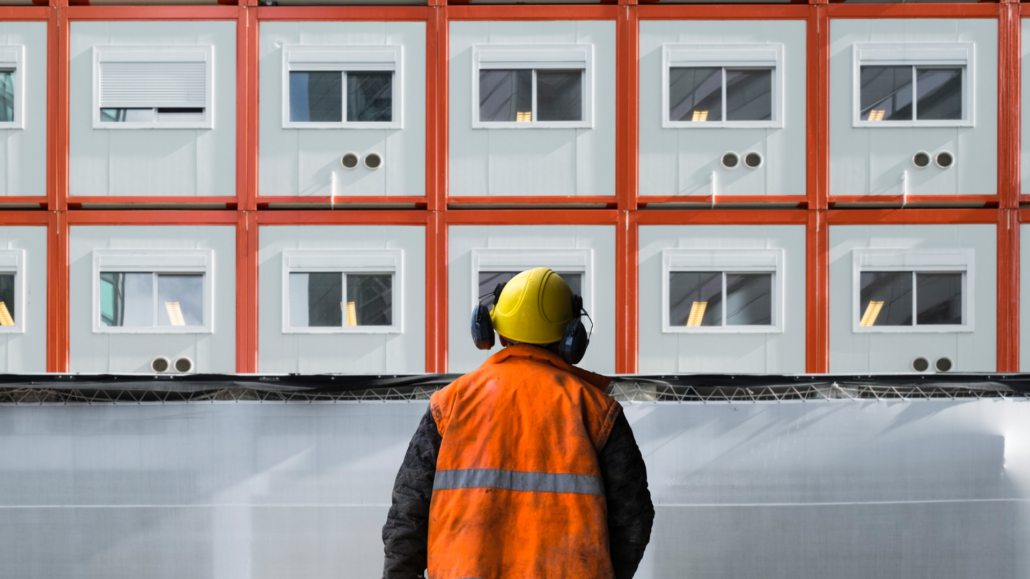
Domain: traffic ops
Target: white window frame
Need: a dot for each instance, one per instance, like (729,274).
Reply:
(157,261)
(156,53)
(345,261)
(12,58)
(918,261)
(926,54)
(13,261)
(535,57)
(344,59)
(725,261)
(724,56)
(579,261)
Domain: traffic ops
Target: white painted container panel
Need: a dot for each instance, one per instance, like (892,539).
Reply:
(462,240)
(873,161)
(971,351)
(153,162)
(23,151)
(532,162)
(25,351)
(390,353)
(303,162)
(773,353)
(681,161)
(106,352)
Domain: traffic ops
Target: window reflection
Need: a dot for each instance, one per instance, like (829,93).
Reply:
(127,299)
(749,95)
(369,300)
(180,300)
(6,96)
(749,299)
(7,300)
(559,95)
(886,93)
(505,95)
(885,298)
(316,97)
(370,96)
(695,298)
(316,300)
(938,298)
(938,94)
(695,94)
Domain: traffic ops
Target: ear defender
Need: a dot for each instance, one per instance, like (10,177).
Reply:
(482,327)
(574,340)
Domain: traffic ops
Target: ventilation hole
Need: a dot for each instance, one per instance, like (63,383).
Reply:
(160,364)
(184,365)
(373,161)
(921,159)
(945,159)
(943,364)
(730,160)
(349,161)
(920,364)
(753,160)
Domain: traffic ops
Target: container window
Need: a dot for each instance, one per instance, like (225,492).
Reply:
(886,93)
(138,300)
(527,95)
(338,299)
(7,305)
(717,299)
(153,86)
(488,281)
(887,299)
(702,94)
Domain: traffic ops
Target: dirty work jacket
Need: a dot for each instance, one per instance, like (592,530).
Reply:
(532,471)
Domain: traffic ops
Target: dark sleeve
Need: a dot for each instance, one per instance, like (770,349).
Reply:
(630,512)
(406,532)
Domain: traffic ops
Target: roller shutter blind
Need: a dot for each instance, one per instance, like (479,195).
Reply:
(153,84)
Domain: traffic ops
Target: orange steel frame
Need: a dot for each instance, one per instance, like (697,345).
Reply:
(815,208)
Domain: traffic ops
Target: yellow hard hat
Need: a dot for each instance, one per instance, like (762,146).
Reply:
(534,307)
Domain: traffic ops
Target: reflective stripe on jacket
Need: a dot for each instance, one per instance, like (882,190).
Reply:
(518,490)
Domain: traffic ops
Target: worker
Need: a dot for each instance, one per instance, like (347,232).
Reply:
(524,468)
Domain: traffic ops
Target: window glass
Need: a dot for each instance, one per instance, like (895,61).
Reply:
(749,95)
(369,300)
(695,94)
(488,281)
(316,300)
(316,97)
(695,298)
(938,298)
(886,93)
(885,298)
(559,95)
(6,96)
(370,97)
(126,115)
(505,95)
(749,299)
(938,94)
(127,299)
(180,300)
(7,300)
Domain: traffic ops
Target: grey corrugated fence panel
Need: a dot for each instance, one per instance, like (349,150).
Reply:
(844,488)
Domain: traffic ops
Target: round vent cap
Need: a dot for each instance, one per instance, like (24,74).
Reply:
(730,160)
(944,364)
(920,364)
(160,364)
(349,160)
(753,160)
(921,159)
(373,161)
(945,159)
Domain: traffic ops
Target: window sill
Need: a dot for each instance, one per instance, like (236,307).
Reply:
(163,126)
(722,125)
(911,124)
(345,126)
(535,125)
(722,330)
(942,329)
(161,330)
(346,330)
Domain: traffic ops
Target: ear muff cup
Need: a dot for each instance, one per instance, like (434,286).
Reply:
(482,328)
(574,340)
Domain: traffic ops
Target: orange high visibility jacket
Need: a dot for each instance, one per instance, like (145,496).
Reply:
(518,491)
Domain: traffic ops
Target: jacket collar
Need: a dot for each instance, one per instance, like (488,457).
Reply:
(544,355)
